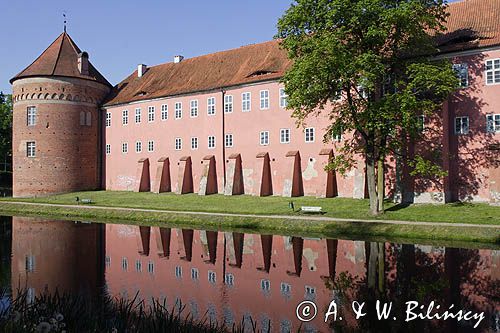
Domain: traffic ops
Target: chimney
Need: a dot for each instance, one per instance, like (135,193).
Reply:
(178,59)
(83,63)
(141,70)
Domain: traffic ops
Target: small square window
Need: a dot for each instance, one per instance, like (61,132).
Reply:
(462,125)
(493,123)
(194,143)
(285,135)
(211,142)
(30,149)
(125,147)
(108,149)
(212,277)
(492,71)
(138,147)
(178,143)
(228,140)
(462,73)
(194,108)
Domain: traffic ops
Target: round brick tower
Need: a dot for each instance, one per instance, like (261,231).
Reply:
(57,123)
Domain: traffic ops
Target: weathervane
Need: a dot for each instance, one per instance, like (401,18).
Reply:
(64,15)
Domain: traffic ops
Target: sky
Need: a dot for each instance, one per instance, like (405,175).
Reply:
(118,35)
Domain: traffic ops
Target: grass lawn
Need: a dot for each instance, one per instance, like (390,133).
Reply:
(334,207)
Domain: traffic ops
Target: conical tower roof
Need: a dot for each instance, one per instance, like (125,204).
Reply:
(60,59)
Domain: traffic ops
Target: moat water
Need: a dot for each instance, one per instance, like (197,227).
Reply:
(234,277)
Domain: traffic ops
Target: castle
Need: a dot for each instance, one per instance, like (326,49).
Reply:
(218,123)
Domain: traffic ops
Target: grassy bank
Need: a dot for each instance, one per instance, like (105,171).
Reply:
(372,231)
(336,207)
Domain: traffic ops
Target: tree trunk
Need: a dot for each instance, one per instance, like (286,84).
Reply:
(380,185)
(371,182)
(381,268)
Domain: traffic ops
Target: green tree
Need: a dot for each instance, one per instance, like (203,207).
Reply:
(5,125)
(366,63)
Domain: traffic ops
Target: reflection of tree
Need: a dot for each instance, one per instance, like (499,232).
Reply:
(5,251)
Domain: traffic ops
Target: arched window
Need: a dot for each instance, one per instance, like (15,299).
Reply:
(88,119)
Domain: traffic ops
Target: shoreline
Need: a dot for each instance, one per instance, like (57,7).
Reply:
(480,234)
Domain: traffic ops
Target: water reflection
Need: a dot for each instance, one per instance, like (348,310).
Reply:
(231,276)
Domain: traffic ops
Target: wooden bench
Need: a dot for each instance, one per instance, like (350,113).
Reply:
(311,209)
(84,201)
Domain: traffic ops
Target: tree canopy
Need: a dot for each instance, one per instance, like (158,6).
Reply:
(367,64)
(5,125)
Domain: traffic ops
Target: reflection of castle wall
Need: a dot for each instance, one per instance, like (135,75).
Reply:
(56,254)
(261,276)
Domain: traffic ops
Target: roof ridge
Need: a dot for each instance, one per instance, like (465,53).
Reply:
(58,53)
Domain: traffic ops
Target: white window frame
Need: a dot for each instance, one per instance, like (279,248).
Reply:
(108,119)
(285,135)
(462,73)
(178,110)
(124,147)
(211,142)
(264,100)
(31,149)
(421,123)
(31,115)
(138,147)
(246,101)
(308,132)
(178,144)
(164,112)
(228,140)
(212,277)
(125,117)
(493,123)
(194,143)
(138,115)
(264,138)
(108,149)
(151,146)
(228,104)
(211,106)
(492,66)
(193,110)
(283,98)
(151,114)
(464,120)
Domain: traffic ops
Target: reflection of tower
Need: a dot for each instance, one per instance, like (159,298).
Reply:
(65,255)
(57,122)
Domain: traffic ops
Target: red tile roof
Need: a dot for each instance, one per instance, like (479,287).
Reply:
(60,59)
(247,64)
(471,24)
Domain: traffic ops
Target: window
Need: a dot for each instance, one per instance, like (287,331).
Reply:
(124,264)
(164,112)
(228,104)
(151,267)
(462,73)
(125,147)
(211,106)
(264,99)
(212,278)
(137,116)
(228,141)
(31,115)
(108,149)
(194,143)
(30,263)
(264,138)
(310,293)
(88,119)
(178,272)
(151,113)
(283,98)
(245,102)
(194,108)
(285,135)
(108,261)
(138,266)
(178,110)
(309,134)
(229,279)
(125,117)
(421,123)
(30,149)
(194,273)
(108,119)
(138,147)
(178,143)
(211,142)
(151,146)
(493,71)
(493,123)
(462,125)
(82,118)
(286,289)
(265,285)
